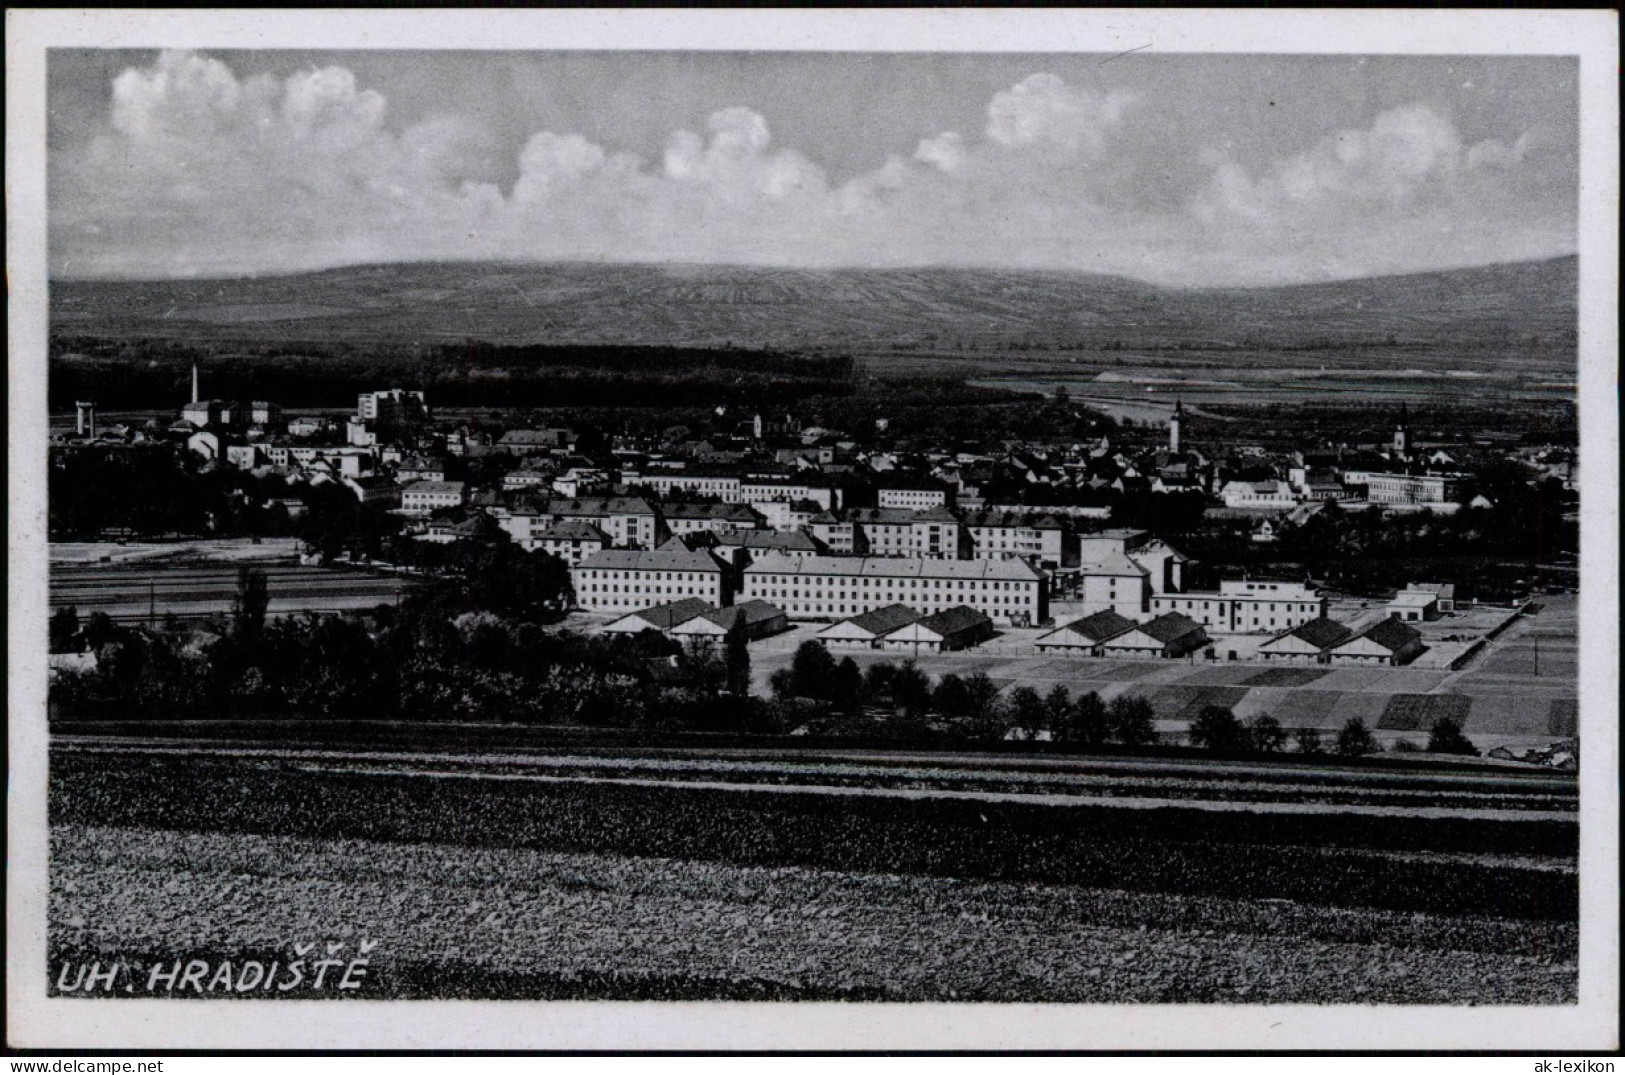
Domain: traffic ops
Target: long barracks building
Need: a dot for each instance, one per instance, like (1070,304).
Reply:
(835,587)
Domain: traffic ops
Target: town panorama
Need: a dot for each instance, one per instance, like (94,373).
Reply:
(697,611)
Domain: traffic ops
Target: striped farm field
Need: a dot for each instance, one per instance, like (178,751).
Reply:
(643,873)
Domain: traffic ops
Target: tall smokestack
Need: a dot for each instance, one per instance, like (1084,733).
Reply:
(194,382)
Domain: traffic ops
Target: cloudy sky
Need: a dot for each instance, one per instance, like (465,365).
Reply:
(1186,170)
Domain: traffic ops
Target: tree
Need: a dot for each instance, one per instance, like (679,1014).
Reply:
(1057,709)
(812,670)
(911,689)
(1266,734)
(248,608)
(951,698)
(1025,708)
(847,685)
(782,682)
(736,658)
(1130,718)
(1088,724)
(877,680)
(1217,730)
(1355,740)
(1446,738)
(64,629)
(983,695)
(1308,741)
(99,631)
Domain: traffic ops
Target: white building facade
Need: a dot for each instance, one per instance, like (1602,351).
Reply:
(832,588)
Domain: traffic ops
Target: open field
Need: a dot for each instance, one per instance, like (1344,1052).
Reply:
(1146,394)
(132,591)
(478,877)
(1496,696)
(188,550)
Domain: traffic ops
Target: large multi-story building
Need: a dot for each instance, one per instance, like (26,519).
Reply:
(786,515)
(835,587)
(1006,535)
(571,542)
(912,495)
(392,408)
(718,518)
(724,485)
(630,521)
(422,498)
(1407,488)
(767,487)
(624,580)
(1246,606)
(1114,583)
(1272,495)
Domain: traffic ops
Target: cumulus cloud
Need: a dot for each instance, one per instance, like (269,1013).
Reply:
(199,172)
(1043,111)
(1399,193)
(946,151)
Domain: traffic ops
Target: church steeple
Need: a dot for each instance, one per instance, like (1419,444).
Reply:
(1173,426)
(1402,432)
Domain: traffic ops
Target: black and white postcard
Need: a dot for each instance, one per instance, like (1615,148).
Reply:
(915,529)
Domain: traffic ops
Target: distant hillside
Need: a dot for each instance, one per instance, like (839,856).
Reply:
(1497,309)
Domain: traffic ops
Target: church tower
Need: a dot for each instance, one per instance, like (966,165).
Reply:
(1402,433)
(1173,427)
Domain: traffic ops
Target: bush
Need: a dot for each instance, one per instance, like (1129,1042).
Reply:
(1308,741)
(1446,738)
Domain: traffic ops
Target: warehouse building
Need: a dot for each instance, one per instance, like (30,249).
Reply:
(1307,643)
(866,628)
(1387,641)
(1169,635)
(660,617)
(758,618)
(1085,636)
(950,629)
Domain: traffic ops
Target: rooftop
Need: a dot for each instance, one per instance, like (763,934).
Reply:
(1320,632)
(880,620)
(886,567)
(1101,626)
(665,558)
(674,612)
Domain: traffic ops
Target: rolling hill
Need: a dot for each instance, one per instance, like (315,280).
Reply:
(1514,313)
